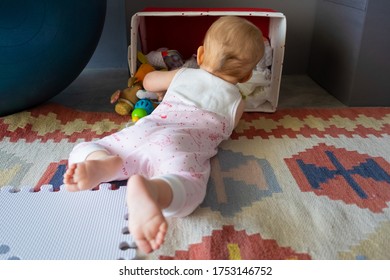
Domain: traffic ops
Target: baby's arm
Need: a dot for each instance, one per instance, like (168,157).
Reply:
(158,81)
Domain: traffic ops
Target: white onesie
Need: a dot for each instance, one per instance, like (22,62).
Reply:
(175,142)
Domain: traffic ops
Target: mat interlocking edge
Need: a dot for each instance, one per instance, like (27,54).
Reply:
(62,225)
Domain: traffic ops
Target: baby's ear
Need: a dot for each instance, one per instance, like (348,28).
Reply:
(200,55)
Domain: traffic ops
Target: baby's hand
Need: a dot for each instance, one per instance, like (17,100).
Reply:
(160,96)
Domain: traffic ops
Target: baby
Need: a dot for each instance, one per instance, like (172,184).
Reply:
(166,156)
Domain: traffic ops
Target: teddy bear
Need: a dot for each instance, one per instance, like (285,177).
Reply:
(126,99)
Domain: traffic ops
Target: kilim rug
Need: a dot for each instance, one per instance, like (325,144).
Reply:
(294,184)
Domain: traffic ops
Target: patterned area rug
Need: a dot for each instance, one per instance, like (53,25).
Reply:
(295,184)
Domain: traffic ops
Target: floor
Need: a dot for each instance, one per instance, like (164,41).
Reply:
(92,90)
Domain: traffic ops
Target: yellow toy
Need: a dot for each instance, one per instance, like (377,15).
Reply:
(126,99)
(139,76)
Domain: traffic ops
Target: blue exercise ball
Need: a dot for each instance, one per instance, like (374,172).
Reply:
(44,46)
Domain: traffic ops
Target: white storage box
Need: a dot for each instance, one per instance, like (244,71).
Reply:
(183,30)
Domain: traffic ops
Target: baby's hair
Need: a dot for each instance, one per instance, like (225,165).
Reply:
(233,46)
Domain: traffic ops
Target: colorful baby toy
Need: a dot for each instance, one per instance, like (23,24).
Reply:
(126,99)
(134,99)
(142,108)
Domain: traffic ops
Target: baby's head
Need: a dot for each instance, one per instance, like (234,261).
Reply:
(231,49)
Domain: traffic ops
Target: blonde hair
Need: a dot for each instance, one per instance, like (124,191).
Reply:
(233,46)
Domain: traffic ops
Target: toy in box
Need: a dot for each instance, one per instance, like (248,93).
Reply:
(167,35)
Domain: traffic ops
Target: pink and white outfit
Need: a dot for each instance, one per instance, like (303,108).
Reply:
(175,142)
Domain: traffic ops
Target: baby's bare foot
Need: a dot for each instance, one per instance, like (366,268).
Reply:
(82,176)
(90,173)
(146,221)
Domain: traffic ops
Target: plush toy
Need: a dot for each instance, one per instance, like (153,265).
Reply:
(139,76)
(144,94)
(172,59)
(165,59)
(155,58)
(126,99)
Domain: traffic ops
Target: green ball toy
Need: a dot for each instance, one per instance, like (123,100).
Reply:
(138,113)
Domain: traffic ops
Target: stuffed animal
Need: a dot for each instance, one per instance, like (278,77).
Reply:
(139,76)
(165,59)
(126,99)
